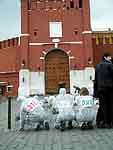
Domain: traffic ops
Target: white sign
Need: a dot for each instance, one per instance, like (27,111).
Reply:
(32,105)
(55,29)
(87,101)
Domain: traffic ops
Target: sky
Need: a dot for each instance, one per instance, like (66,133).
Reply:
(101,12)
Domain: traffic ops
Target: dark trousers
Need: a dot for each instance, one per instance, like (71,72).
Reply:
(105,111)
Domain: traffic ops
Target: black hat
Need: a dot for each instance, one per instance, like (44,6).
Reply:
(106,54)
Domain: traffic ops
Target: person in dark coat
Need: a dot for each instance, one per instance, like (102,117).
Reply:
(103,89)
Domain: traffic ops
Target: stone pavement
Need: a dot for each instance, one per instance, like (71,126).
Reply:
(75,139)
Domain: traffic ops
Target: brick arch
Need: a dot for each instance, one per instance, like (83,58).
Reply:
(56,70)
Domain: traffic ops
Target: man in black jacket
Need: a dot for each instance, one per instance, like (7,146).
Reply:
(103,89)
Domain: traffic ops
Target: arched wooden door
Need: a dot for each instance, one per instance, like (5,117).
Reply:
(56,71)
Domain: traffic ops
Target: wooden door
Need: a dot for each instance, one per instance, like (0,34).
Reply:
(56,71)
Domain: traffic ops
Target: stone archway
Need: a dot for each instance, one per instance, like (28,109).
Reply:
(56,71)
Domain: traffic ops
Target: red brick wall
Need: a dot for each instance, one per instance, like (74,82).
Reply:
(10,64)
(35,52)
(73,20)
(35,29)
(100,49)
(9,55)
(39,21)
(12,79)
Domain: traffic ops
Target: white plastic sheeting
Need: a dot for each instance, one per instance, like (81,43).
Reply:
(31,107)
(64,106)
(85,109)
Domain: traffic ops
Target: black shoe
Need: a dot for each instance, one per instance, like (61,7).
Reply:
(84,126)
(111,125)
(108,126)
(17,118)
(100,125)
(89,125)
(46,125)
(21,129)
(62,125)
(37,127)
(70,125)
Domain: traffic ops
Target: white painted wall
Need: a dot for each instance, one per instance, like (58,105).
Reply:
(81,78)
(34,81)
(24,82)
(37,83)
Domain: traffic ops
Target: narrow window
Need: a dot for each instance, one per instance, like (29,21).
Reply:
(67,7)
(35,33)
(80,3)
(8,43)
(13,41)
(29,4)
(4,44)
(71,4)
(0,45)
(75,31)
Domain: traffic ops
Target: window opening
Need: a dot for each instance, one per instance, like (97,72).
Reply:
(80,3)
(29,4)
(13,42)
(71,4)
(4,44)
(0,45)
(75,31)
(8,43)
(35,33)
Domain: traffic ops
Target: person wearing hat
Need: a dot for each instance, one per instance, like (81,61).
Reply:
(103,89)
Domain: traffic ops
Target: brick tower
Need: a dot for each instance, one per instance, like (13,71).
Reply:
(55,42)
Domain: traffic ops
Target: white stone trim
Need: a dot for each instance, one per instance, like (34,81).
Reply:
(71,57)
(19,40)
(68,52)
(1,82)
(72,42)
(39,44)
(9,72)
(24,34)
(35,81)
(56,45)
(42,58)
(86,32)
(56,40)
(44,52)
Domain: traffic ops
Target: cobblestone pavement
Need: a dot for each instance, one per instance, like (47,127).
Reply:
(53,139)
